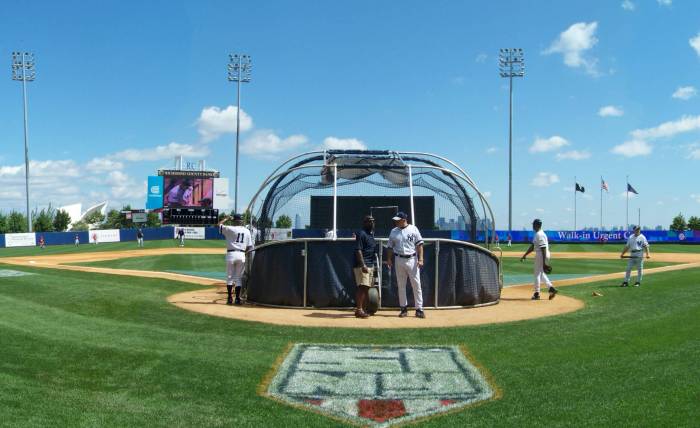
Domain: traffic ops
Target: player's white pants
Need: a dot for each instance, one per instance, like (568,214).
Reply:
(408,269)
(540,276)
(235,263)
(633,262)
(139,241)
(182,241)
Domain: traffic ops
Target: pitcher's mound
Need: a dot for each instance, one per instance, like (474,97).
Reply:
(515,305)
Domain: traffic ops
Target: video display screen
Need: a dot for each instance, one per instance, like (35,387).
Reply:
(188,192)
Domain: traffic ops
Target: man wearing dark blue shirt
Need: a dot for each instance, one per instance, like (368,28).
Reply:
(366,262)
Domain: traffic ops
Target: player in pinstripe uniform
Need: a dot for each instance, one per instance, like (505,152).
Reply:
(637,245)
(238,243)
(406,242)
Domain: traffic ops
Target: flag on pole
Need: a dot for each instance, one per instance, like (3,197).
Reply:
(631,189)
(604,185)
(580,188)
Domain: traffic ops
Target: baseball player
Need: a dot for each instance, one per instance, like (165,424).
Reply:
(139,238)
(406,243)
(238,242)
(540,245)
(77,239)
(637,245)
(181,236)
(365,256)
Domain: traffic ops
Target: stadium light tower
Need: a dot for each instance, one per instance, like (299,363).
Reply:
(23,70)
(511,63)
(239,70)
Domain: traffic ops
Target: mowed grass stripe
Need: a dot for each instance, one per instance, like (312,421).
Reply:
(627,358)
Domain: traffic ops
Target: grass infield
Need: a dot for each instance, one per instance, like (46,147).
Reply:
(98,350)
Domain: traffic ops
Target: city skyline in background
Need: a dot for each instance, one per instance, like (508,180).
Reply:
(610,90)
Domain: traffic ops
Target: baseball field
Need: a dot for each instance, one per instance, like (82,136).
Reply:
(89,348)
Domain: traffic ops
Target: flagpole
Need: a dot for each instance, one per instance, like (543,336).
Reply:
(639,217)
(601,203)
(627,215)
(574,204)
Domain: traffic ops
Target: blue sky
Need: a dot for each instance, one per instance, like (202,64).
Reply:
(123,86)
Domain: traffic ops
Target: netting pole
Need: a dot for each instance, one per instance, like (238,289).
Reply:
(335,200)
(306,267)
(410,187)
(437,269)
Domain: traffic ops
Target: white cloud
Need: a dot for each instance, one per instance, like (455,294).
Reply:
(573,155)
(333,143)
(685,93)
(482,57)
(668,129)
(628,5)
(98,165)
(213,122)
(458,80)
(539,210)
(665,2)
(168,151)
(696,197)
(265,144)
(122,186)
(544,179)
(548,144)
(610,111)
(623,195)
(694,154)
(486,194)
(8,171)
(695,43)
(574,43)
(491,150)
(633,148)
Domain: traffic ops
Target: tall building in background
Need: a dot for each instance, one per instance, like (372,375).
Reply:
(297,222)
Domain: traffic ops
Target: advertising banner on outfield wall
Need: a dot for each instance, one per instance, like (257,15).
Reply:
(586,236)
(190,232)
(20,240)
(278,234)
(100,236)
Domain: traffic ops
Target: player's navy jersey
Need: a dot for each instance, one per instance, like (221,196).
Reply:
(637,244)
(237,237)
(404,241)
(366,244)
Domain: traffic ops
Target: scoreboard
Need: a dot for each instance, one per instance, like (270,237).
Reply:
(190,216)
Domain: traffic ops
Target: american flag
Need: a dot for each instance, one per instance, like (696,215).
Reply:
(604,185)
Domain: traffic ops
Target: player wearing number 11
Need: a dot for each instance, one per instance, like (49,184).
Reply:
(238,243)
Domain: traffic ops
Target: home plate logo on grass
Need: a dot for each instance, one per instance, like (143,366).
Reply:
(378,385)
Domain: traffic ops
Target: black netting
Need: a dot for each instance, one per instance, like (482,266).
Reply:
(466,275)
(373,174)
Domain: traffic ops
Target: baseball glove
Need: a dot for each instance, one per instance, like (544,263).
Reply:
(547,269)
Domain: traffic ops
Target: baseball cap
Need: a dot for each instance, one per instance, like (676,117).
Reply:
(237,217)
(537,221)
(400,216)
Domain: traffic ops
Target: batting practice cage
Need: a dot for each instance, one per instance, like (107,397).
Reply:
(325,195)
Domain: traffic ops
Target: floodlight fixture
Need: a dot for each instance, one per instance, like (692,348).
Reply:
(511,63)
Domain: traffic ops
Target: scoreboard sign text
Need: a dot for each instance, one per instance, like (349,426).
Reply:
(378,385)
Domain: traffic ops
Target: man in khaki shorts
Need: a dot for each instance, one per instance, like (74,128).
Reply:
(365,266)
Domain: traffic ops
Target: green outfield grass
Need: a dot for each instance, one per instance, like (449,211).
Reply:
(107,246)
(80,349)
(213,266)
